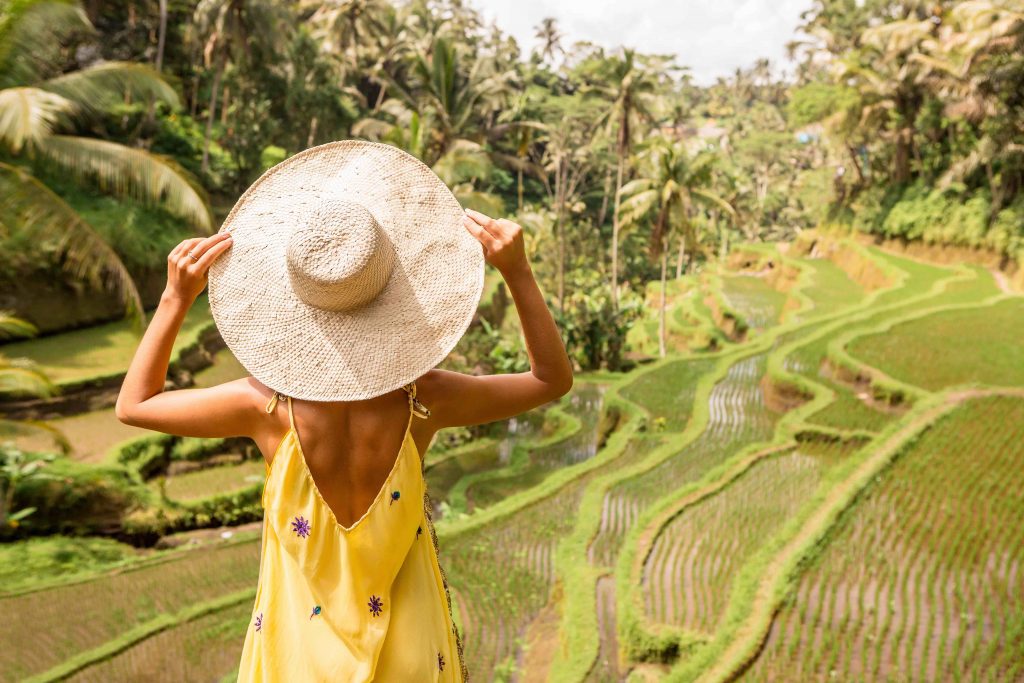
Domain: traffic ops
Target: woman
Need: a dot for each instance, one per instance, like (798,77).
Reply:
(341,307)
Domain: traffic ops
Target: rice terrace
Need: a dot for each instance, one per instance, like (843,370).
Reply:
(792,298)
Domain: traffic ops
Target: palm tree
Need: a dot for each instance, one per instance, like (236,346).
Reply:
(39,109)
(671,187)
(550,39)
(631,92)
(962,65)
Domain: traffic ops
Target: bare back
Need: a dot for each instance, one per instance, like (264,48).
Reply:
(350,447)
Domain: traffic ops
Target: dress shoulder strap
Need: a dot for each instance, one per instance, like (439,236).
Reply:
(417,408)
(272,403)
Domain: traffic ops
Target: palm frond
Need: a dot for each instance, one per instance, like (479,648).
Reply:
(20,376)
(637,205)
(712,198)
(28,427)
(26,26)
(28,116)
(28,205)
(153,178)
(10,326)
(97,87)
(371,129)
(464,161)
(484,202)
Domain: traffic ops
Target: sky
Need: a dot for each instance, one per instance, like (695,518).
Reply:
(712,37)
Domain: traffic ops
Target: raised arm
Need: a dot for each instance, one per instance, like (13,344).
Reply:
(225,410)
(457,399)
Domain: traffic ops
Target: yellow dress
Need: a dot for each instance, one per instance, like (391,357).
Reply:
(367,602)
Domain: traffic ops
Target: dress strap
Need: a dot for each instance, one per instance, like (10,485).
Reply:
(272,403)
(417,408)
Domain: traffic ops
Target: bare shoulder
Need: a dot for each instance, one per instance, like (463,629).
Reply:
(457,399)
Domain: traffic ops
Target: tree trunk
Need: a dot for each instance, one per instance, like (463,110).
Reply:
(662,329)
(313,122)
(615,237)
(519,188)
(996,190)
(603,213)
(211,113)
(679,260)
(559,228)
(856,164)
(161,37)
(225,100)
(159,64)
(380,96)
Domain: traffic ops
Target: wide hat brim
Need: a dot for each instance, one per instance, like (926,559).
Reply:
(412,324)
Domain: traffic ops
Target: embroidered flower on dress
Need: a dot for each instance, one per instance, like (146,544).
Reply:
(376,605)
(395,495)
(316,611)
(259,621)
(440,662)
(300,525)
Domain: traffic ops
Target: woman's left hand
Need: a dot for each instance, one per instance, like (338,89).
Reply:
(502,241)
(188,263)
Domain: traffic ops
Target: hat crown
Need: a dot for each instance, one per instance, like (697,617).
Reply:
(339,258)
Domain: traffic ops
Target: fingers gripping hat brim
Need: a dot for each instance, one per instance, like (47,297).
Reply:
(407,329)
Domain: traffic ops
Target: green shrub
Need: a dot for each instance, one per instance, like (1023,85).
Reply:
(80,498)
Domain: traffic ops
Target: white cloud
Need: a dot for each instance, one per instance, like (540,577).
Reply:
(712,37)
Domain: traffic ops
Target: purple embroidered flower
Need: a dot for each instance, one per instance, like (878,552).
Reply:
(376,605)
(259,622)
(395,495)
(316,611)
(300,525)
(440,662)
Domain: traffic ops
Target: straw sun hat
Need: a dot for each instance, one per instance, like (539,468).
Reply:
(350,273)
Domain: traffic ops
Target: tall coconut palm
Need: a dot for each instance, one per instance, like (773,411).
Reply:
(40,110)
(672,185)
(631,92)
(550,39)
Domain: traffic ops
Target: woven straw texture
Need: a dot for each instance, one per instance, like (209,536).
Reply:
(434,287)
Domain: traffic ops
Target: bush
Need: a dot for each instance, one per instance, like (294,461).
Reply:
(79,498)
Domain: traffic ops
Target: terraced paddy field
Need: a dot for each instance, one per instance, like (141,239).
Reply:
(836,496)
(203,483)
(99,351)
(737,417)
(689,572)
(758,302)
(922,580)
(973,344)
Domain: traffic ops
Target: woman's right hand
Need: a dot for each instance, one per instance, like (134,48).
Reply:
(502,241)
(188,263)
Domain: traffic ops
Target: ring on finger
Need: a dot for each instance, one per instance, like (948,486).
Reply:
(192,256)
